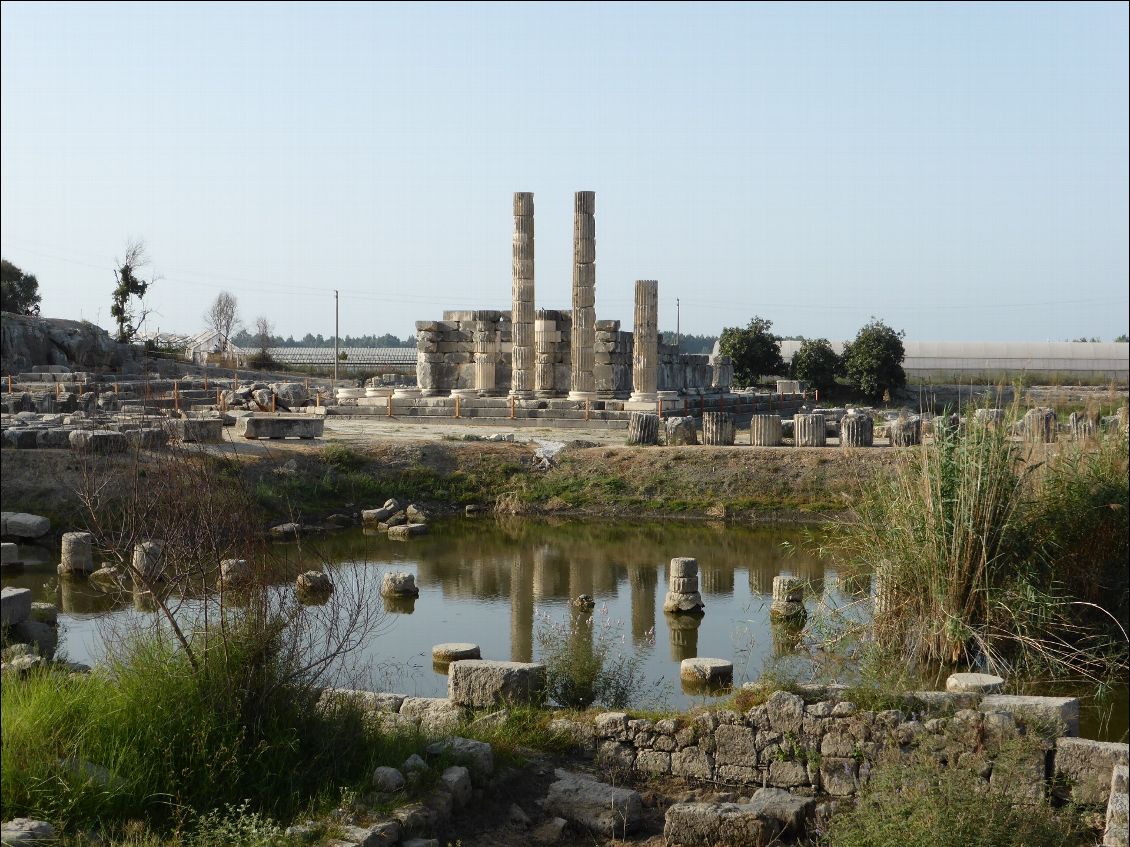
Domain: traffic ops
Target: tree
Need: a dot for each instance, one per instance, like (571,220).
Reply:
(755,351)
(1123,338)
(873,361)
(19,292)
(816,363)
(263,337)
(130,285)
(222,316)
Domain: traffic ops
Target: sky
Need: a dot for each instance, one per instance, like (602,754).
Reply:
(959,171)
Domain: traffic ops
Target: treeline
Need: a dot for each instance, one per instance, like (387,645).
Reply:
(246,339)
(691,343)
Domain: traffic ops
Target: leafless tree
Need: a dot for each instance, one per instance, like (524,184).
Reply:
(264,329)
(223,317)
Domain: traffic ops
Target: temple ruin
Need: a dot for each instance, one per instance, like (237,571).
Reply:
(537,354)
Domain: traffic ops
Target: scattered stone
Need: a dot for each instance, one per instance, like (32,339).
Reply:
(388,779)
(377,515)
(414,764)
(25,832)
(107,579)
(10,555)
(481,684)
(604,809)
(788,599)
(976,683)
(286,530)
(399,584)
(98,441)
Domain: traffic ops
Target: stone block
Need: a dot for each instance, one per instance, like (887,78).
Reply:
(718,825)
(457,781)
(405,531)
(1083,769)
(201,430)
(735,745)
(1056,715)
(24,525)
(693,762)
(298,426)
(791,811)
(15,606)
(683,567)
(974,683)
(604,809)
(480,684)
(653,762)
(76,554)
(785,712)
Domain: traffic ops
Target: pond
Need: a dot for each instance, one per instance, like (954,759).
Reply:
(498,582)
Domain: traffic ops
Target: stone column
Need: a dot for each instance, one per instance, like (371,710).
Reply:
(485,359)
(582,386)
(545,352)
(643,428)
(522,294)
(1040,426)
(905,432)
(717,429)
(645,342)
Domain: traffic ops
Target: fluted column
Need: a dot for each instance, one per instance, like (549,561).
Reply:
(522,294)
(582,385)
(645,341)
(546,337)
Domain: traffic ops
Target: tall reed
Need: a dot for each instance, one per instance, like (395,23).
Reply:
(972,550)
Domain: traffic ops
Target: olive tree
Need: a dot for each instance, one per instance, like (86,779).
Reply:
(754,350)
(873,361)
(19,291)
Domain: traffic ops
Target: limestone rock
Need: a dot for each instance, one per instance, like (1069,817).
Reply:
(604,809)
(15,605)
(434,714)
(313,582)
(457,781)
(407,530)
(454,651)
(977,683)
(1084,767)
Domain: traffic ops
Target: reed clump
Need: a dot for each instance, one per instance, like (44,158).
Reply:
(985,551)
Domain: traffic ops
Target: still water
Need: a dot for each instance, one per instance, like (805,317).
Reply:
(499,582)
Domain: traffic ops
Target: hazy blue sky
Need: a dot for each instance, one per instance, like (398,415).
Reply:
(958,170)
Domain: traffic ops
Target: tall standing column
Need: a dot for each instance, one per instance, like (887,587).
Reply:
(582,386)
(522,298)
(645,341)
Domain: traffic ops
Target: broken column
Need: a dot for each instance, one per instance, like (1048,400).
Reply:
(522,379)
(643,428)
(645,342)
(718,429)
(582,385)
(429,361)
(1040,426)
(765,430)
(857,431)
(682,588)
(76,554)
(905,432)
(485,359)
(788,599)
(810,430)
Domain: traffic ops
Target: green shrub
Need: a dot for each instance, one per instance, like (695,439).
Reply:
(586,663)
(342,457)
(920,803)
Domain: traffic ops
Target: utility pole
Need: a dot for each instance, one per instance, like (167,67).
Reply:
(337,329)
(678,332)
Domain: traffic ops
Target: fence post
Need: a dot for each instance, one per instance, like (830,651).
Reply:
(511,408)
(659,408)
(457,414)
(389,406)
(587,410)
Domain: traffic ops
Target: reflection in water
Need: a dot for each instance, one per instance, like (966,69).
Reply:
(684,635)
(399,605)
(486,581)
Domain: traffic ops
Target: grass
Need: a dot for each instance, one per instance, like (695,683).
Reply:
(984,552)
(918,802)
(148,737)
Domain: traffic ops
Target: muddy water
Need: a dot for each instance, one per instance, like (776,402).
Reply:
(499,583)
